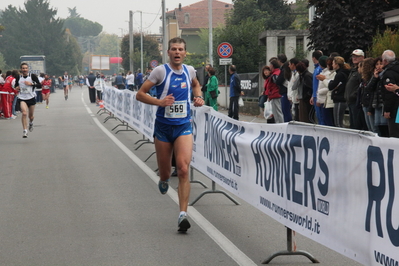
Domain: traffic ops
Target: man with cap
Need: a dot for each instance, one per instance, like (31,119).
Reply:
(356,116)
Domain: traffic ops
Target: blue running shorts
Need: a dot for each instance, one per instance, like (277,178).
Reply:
(169,133)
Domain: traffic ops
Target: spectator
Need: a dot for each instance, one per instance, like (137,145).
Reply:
(292,87)
(272,91)
(323,96)
(390,75)
(206,78)
(119,82)
(235,92)
(337,88)
(282,84)
(374,87)
(356,116)
(139,79)
(313,100)
(212,90)
(366,69)
(304,92)
(130,80)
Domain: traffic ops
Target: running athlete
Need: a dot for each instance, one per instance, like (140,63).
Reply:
(46,84)
(26,84)
(65,80)
(173,132)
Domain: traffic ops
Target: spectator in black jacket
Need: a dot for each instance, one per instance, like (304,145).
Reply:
(90,84)
(390,75)
(282,84)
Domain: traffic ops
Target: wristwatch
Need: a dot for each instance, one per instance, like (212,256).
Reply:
(199,97)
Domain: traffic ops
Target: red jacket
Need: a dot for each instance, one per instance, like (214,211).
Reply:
(7,85)
(271,88)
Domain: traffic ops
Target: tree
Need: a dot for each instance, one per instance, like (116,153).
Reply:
(344,25)
(301,13)
(388,39)
(276,14)
(35,31)
(73,13)
(150,51)
(82,27)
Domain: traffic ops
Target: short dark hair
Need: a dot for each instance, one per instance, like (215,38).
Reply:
(275,64)
(282,58)
(211,71)
(232,68)
(294,61)
(301,67)
(305,62)
(23,63)
(317,54)
(176,40)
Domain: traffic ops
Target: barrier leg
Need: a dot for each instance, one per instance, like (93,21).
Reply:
(195,181)
(289,251)
(212,192)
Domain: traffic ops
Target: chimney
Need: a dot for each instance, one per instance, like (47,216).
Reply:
(179,6)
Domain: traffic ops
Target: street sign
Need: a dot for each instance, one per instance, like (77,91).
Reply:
(225,50)
(225,61)
(154,63)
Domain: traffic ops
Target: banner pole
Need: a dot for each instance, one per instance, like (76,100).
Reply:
(290,251)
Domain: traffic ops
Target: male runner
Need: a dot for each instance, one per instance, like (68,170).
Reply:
(173,132)
(26,84)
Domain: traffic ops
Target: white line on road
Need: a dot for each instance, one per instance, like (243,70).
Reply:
(224,243)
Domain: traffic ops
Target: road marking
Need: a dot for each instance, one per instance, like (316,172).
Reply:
(221,240)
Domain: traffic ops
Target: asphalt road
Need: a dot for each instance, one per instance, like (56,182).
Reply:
(76,193)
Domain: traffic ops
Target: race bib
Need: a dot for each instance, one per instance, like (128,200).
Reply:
(177,110)
(23,88)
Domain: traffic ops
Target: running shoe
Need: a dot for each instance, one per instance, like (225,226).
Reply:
(30,126)
(183,223)
(163,186)
(25,134)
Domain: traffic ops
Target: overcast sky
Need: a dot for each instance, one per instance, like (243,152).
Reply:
(114,15)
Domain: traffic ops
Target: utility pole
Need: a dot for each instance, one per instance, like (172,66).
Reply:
(210,32)
(164,35)
(131,40)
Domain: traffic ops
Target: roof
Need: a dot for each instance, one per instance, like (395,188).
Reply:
(195,16)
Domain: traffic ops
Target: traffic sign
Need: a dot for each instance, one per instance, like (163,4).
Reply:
(225,61)
(154,63)
(225,50)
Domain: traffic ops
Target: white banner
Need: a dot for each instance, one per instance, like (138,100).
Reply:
(334,186)
(123,105)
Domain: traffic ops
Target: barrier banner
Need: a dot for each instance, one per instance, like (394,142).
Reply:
(123,104)
(334,186)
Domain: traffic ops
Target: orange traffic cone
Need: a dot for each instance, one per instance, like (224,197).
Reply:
(101,103)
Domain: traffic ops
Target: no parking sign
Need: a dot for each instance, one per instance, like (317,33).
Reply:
(154,63)
(225,50)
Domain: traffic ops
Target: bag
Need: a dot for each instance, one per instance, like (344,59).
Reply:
(261,101)
(213,94)
(240,102)
(329,102)
(268,113)
(334,92)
